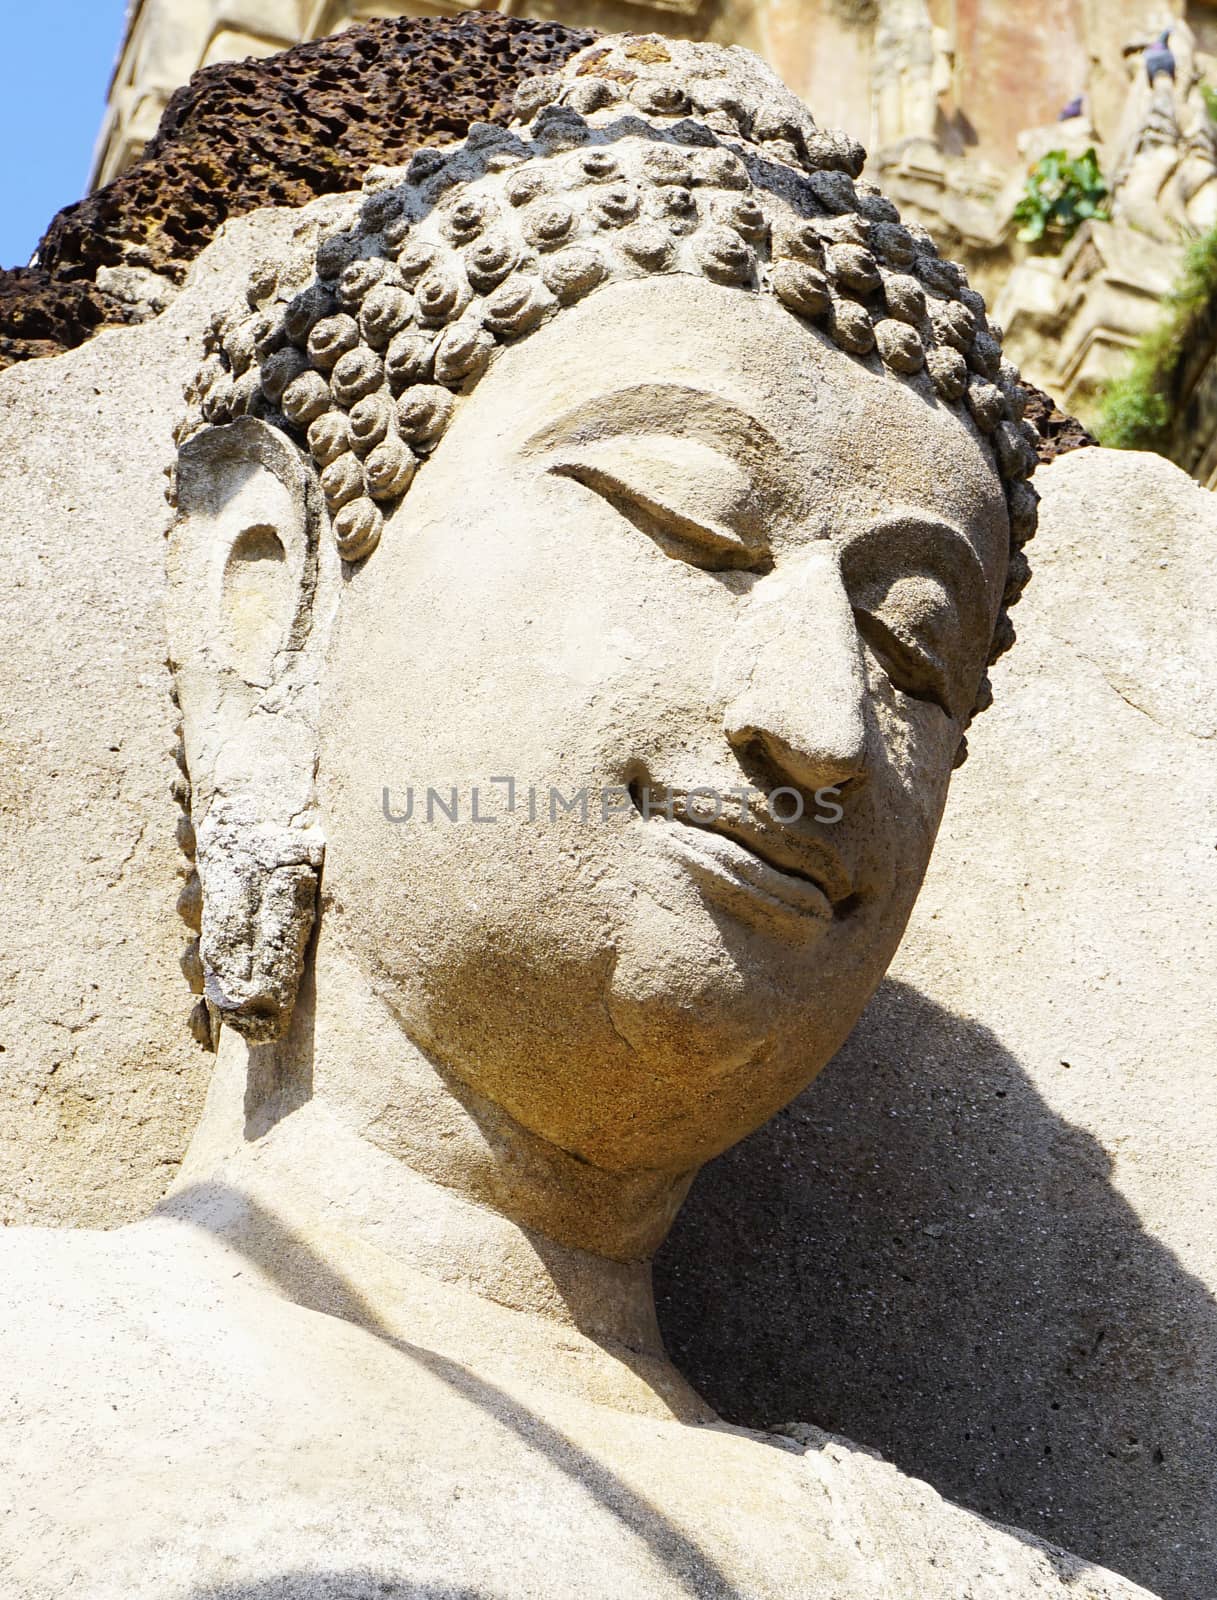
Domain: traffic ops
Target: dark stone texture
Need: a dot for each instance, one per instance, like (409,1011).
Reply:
(1059,432)
(42,315)
(282,131)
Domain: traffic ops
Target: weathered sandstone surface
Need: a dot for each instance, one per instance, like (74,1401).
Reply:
(981,1242)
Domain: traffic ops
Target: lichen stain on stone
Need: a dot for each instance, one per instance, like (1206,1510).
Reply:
(651,51)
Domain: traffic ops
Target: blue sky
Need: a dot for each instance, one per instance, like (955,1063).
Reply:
(56,57)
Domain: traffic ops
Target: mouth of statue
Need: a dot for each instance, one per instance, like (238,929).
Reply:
(766,863)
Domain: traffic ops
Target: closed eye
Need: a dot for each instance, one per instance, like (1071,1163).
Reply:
(689,499)
(910,667)
(920,602)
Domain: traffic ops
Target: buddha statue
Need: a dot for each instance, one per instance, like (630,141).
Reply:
(583,568)
(1164,151)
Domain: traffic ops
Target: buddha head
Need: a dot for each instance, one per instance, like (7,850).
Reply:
(636,468)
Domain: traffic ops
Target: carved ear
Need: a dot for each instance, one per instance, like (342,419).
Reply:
(245,598)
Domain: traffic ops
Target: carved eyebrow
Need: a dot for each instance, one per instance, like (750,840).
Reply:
(932,544)
(679,411)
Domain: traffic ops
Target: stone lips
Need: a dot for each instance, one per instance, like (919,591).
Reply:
(641,157)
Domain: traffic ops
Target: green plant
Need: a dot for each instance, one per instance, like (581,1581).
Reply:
(1210,100)
(1060,194)
(1137,409)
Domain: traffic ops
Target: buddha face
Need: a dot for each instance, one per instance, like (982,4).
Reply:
(674,541)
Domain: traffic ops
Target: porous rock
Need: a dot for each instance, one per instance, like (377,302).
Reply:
(281,131)
(1059,432)
(277,132)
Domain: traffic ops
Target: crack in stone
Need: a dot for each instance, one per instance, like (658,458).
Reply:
(1166,727)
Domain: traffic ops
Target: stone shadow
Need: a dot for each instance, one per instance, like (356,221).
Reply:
(921,1255)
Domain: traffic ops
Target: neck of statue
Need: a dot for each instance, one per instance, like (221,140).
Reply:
(344,1135)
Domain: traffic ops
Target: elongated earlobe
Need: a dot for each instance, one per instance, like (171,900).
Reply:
(245,576)
(259,882)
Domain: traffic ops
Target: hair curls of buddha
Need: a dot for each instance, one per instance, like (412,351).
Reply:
(613,170)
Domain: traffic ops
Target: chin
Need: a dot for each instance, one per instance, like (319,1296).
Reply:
(695,997)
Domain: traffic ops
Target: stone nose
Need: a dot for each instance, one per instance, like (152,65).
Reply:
(801,686)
